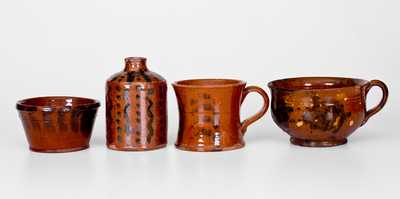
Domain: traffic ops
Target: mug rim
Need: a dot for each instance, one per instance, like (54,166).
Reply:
(356,81)
(181,83)
(24,105)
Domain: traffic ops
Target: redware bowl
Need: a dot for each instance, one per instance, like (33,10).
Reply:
(58,123)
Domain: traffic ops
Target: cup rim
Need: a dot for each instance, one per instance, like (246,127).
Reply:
(356,81)
(184,83)
(24,105)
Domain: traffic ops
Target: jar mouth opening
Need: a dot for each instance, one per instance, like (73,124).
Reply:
(208,83)
(49,103)
(135,59)
(315,83)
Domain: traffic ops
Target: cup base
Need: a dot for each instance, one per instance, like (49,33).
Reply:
(313,143)
(115,148)
(208,149)
(59,150)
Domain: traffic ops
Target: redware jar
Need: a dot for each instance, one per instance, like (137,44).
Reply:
(136,111)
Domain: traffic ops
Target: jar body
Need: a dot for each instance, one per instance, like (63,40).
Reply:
(136,112)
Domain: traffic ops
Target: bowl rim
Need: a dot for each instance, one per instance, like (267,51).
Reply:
(358,82)
(23,106)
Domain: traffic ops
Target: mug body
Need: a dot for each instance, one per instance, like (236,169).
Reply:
(318,111)
(209,114)
(58,124)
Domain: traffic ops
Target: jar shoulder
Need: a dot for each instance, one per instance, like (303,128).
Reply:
(136,77)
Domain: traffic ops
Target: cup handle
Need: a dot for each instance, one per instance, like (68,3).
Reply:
(377,108)
(260,113)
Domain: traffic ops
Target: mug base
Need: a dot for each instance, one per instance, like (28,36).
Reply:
(59,150)
(313,143)
(208,149)
(115,148)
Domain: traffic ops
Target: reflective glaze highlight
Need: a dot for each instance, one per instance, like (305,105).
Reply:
(322,111)
(58,124)
(136,110)
(209,112)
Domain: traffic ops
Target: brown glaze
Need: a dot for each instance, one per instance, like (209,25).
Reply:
(209,112)
(322,111)
(136,110)
(58,124)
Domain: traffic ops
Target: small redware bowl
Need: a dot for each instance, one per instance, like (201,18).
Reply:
(58,124)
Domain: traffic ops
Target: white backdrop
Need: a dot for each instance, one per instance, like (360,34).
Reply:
(71,48)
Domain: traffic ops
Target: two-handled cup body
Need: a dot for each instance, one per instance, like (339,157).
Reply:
(321,111)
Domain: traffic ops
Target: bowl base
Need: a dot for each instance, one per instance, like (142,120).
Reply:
(313,143)
(67,150)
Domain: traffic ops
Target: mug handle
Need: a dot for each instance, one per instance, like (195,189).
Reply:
(377,108)
(260,113)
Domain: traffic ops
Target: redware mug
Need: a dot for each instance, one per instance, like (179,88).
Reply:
(209,112)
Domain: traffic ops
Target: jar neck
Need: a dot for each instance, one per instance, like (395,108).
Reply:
(135,64)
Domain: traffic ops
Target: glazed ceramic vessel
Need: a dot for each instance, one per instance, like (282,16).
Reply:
(136,108)
(322,111)
(209,112)
(58,124)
